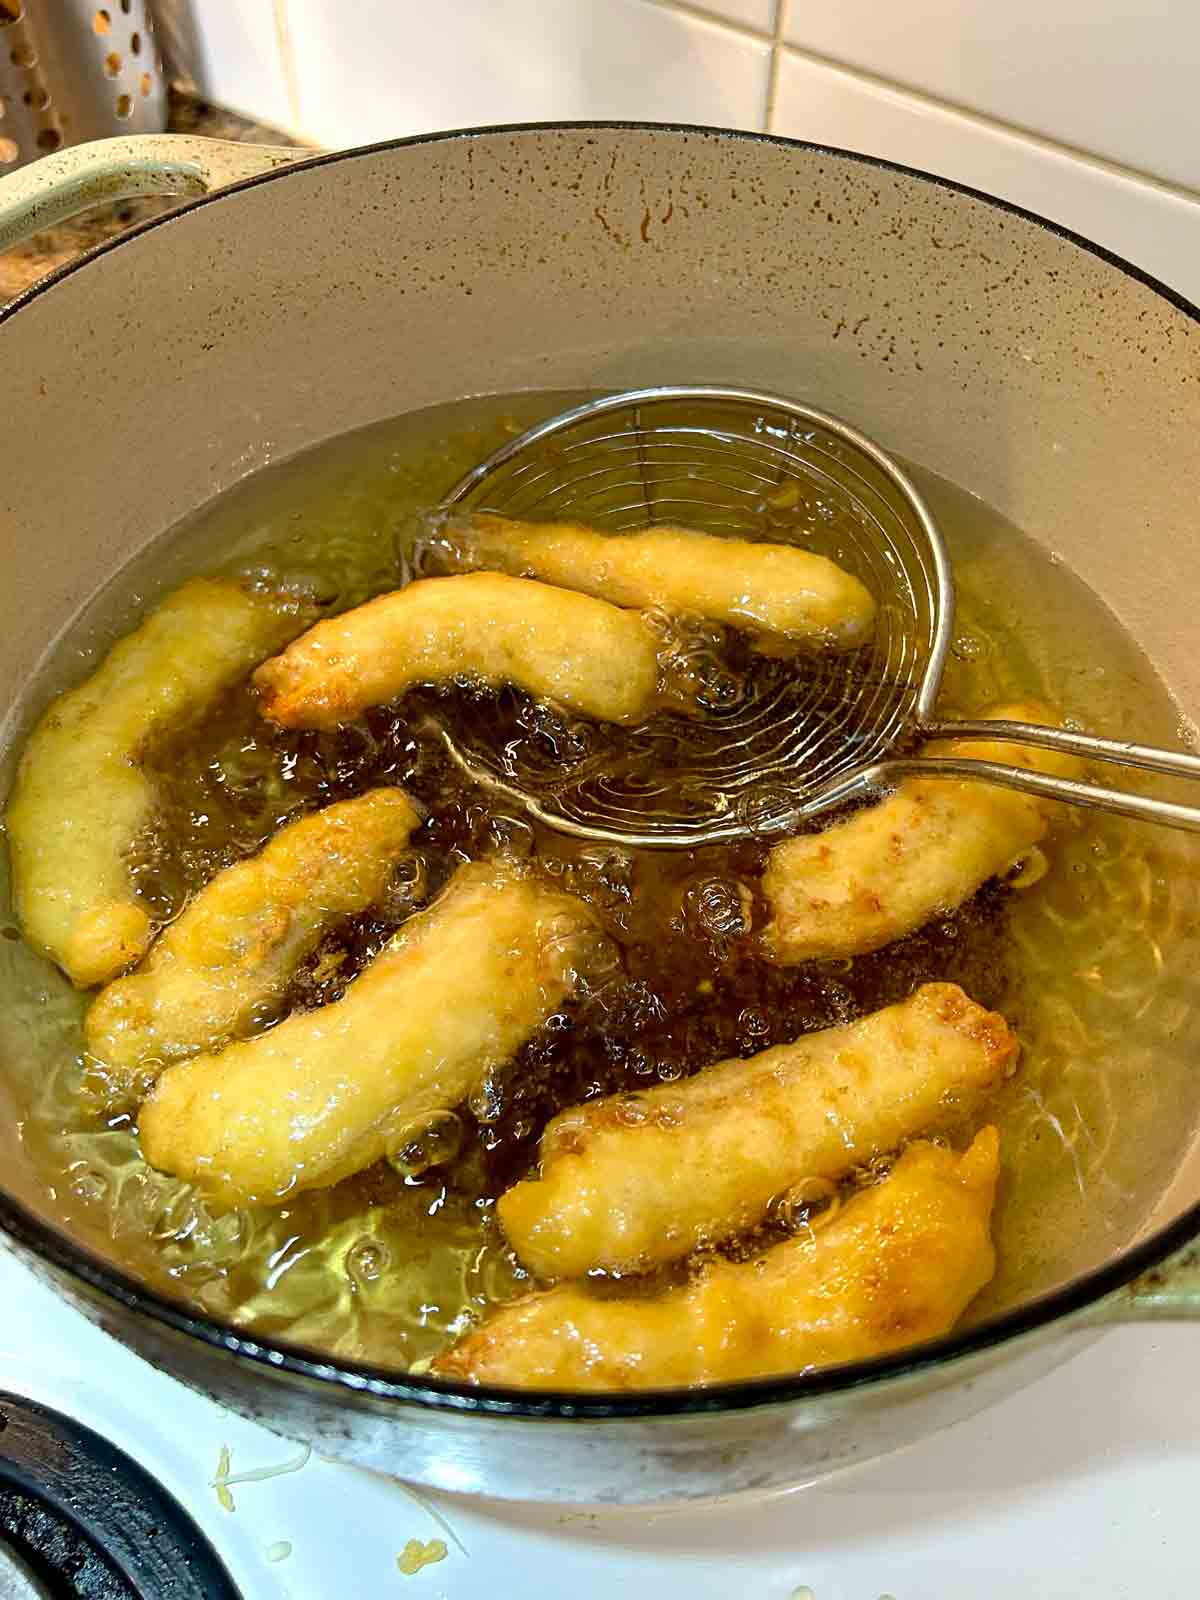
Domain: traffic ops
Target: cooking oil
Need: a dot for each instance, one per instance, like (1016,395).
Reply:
(1091,960)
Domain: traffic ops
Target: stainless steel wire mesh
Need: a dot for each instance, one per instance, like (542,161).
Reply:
(727,463)
(801,734)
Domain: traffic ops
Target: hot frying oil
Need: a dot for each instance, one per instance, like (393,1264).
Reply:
(1089,963)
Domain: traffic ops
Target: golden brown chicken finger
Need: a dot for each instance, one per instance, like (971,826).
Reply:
(587,655)
(221,967)
(765,588)
(457,991)
(918,854)
(632,1181)
(899,1264)
(80,797)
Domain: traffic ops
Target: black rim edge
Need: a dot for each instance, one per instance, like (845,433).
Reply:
(432,1394)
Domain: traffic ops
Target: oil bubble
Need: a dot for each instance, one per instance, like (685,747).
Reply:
(486,1101)
(669,1113)
(639,1061)
(511,836)
(631,1111)
(808,1204)
(366,1261)
(717,908)
(89,1185)
(754,1024)
(968,647)
(432,1141)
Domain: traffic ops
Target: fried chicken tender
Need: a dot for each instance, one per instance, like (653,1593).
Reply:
(898,1264)
(219,969)
(586,654)
(80,797)
(765,588)
(456,992)
(632,1181)
(918,854)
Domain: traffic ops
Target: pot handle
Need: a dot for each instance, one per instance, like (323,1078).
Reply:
(1169,1292)
(86,175)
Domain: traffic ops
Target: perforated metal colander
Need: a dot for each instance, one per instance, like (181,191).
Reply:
(796,736)
(72,70)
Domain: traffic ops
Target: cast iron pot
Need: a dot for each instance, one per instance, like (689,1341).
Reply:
(1055,381)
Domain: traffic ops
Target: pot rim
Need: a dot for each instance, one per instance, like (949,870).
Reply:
(74,1259)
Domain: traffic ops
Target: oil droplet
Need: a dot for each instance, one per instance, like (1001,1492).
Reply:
(968,648)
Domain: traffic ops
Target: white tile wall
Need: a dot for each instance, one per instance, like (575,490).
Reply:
(382,68)
(1115,77)
(1151,225)
(231,50)
(1112,77)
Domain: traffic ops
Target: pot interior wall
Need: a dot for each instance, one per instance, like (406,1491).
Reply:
(1000,354)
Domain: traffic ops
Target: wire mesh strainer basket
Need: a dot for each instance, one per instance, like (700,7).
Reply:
(809,731)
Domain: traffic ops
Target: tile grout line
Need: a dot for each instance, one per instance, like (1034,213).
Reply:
(744,30)
(287,62)
(776,61)
(985,122)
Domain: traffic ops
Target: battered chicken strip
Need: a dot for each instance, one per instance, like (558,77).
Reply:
(899,1264)
(80,798)
(221,967)
(587,655)
(916,855)
(766,588)
(630,1182)
(457,991)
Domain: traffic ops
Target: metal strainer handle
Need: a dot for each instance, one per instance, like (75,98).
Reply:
(886,774)
(1089,746)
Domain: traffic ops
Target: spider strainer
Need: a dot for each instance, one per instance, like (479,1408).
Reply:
(787,739)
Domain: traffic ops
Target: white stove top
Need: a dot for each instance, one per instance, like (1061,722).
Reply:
(1084,1485)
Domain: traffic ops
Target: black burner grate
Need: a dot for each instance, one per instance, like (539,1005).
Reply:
(79,1520)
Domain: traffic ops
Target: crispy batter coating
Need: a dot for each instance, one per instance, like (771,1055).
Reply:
(80,798)
(457,991)
(897,1265)
(918,854)
(632,1181)
(586,654)
(221,967)
(764,588)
